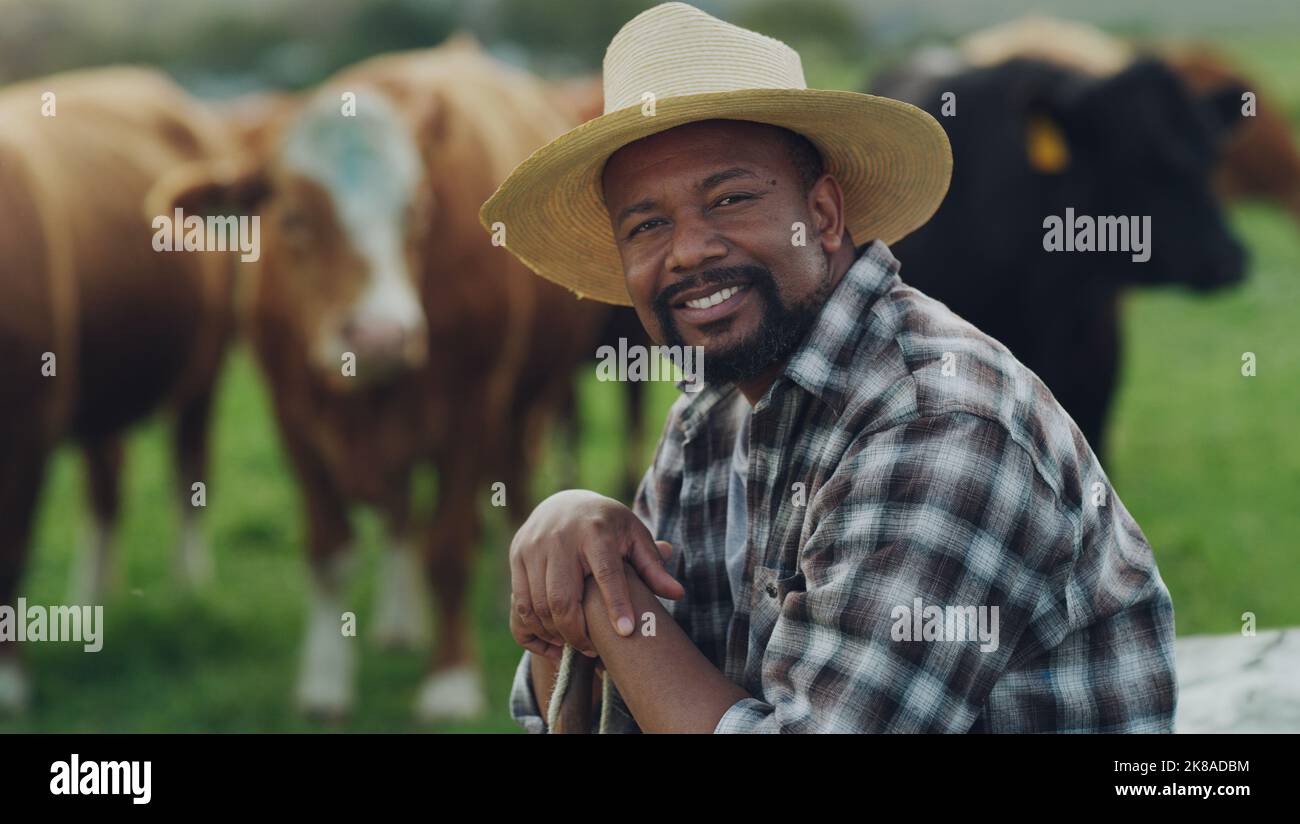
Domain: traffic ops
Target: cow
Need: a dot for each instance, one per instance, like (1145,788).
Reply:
(394,333)
(98,329)
(1259,160)
(1032,139)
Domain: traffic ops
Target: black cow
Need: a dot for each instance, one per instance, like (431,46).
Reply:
(1030,140)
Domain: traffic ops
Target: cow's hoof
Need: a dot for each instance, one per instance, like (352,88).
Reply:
(194,566)
(325,681)
(401,620)
(454,694)
(14,689)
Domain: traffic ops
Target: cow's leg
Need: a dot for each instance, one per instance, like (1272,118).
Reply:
(325,682)
(454,688)
(634,468)
(1101,382)
(401,608)
(568,427)
(523,447)
(194,564)
(95,571)
(21,474)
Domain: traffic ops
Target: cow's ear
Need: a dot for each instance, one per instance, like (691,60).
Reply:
(204,188)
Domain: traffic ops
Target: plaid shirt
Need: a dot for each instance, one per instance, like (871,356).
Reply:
(902,455)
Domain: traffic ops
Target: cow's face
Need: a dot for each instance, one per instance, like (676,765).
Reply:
(1143,145)
(346,210)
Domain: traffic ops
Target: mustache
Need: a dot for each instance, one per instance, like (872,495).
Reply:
(748,273)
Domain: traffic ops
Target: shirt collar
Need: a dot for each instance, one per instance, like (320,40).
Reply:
(821,363)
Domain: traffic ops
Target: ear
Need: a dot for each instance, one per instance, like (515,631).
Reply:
(207,188)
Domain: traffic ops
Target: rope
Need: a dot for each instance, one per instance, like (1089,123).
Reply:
(562,678)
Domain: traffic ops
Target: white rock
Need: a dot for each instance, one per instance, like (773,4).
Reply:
(1236,683)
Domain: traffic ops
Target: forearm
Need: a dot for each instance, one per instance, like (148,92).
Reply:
(666,682)
(543,672)
(543,681)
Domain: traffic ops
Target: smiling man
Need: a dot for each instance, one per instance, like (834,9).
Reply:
(862,469)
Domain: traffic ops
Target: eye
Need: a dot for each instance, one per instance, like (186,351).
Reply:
(727,200)
(640,227)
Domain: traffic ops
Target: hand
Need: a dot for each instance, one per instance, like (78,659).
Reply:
(570,536)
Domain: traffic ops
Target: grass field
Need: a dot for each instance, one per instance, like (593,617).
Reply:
(1207,460)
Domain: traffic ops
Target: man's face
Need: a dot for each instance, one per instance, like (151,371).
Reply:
(704,217)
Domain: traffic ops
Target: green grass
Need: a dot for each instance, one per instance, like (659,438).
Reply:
(1207,460)
(225,659)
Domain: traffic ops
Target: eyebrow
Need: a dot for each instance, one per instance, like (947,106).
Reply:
(722,177)
(646,205)
(704,185)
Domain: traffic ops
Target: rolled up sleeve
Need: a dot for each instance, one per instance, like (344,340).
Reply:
(523,703)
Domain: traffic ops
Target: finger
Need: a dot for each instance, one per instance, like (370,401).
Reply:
(539,647)
(536,568)
(523,631)
(646,557)
(606,567)
(521,602)
(665,550)
(564,586)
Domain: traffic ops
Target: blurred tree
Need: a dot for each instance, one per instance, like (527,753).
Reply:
(390,25)
(828,27)
(574,31)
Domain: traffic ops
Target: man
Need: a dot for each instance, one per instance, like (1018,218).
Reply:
(872,517)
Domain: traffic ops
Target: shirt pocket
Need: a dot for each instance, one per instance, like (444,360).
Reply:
(771,586)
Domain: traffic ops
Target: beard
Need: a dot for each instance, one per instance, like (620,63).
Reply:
(782,326)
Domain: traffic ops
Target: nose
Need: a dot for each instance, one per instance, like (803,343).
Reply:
(694,243)
(385,344)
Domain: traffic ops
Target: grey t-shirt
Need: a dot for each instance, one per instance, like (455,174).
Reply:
(736,542)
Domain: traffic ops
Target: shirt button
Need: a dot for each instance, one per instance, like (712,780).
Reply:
(771,589)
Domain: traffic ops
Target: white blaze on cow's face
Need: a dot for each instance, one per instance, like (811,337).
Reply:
(348,203)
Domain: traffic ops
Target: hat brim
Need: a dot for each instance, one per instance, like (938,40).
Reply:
(892,160)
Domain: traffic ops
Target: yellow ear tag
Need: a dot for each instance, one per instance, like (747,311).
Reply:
(1045,145)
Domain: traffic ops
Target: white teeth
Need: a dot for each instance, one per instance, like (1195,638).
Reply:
(713,299)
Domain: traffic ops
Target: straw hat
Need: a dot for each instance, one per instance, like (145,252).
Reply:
(891,159)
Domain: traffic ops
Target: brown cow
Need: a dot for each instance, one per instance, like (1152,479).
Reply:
(393,332)
(98,328)
(1260,159)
